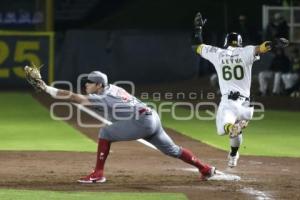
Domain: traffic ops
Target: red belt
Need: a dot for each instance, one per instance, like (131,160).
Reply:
(141,111)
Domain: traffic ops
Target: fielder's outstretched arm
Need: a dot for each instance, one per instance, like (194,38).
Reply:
(268,45)
(197,34)
(64,94)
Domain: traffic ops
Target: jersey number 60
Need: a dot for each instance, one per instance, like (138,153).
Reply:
(236,72)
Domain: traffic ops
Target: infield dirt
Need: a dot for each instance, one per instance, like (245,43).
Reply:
(134,167)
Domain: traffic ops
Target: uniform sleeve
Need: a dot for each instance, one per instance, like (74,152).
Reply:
(98,102)
(94,99)
(208,52)
(249,54)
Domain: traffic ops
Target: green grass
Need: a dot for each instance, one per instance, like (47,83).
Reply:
(277,134)
(37,195)
(26,125)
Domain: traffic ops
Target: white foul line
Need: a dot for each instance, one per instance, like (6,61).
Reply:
(105,121)
(259,195)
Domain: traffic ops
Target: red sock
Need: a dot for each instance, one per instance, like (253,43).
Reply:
(188,157)
(102,153)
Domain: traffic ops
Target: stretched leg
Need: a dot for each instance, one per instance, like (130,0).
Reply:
(97,176)
(188,157)
(102,153)
(119,131)
(166,145)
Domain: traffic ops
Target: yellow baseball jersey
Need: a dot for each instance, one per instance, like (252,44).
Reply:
(233,66)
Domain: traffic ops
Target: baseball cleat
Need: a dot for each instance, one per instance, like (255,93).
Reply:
(207,172)
(232,160)
(94,177)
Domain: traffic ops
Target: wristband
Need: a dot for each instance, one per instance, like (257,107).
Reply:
(51,90)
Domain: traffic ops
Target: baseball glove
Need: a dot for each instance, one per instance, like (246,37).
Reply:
(280,43)
(33,76)
(199,22)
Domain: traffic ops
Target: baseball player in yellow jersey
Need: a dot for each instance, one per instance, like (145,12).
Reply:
(233,64)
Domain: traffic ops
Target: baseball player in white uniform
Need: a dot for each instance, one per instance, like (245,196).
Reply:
(233,64)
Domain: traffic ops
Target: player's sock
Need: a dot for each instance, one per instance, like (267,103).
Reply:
(235,143)
(188,157)
(233,151)
(227,128)
(102,153)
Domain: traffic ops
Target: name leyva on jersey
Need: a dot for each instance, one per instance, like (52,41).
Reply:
(234,59)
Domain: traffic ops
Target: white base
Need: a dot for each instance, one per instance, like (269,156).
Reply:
(221,176)
(102,180)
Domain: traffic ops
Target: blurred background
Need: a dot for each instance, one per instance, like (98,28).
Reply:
(147,42)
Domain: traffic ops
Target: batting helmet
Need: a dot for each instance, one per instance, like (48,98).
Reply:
(233,39)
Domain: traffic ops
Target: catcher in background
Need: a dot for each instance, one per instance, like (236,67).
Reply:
(131,118)
(233,64)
